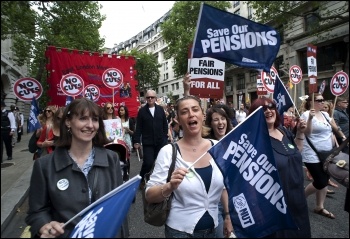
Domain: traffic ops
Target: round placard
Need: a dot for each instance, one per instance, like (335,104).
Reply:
(295,74)
(27,88)
(112,78)
(268,80)
(72,84)
(92,92)
(339,83)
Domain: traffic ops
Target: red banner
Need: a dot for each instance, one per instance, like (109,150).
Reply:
(90,67)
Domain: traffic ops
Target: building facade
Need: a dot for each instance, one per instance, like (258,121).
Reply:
(240,83)
(10,73)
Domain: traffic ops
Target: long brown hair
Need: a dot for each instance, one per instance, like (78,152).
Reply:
(79,107)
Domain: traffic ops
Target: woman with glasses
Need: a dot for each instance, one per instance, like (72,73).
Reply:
(286,151)
(319,132)
(46,139)
(108,112)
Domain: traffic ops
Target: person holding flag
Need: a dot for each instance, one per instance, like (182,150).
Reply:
(319,132)
(286,151)
(78,172)
(197,190)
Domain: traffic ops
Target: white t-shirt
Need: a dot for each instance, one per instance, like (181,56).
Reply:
(320,137)
(151,109)
(240,116)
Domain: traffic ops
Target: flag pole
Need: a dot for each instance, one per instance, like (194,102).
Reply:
(105,197)
(335,101)
(250,115)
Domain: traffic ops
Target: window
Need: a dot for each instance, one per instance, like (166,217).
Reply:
(326,56)
(166,76)
(250,13)
(253,77)
(240,82)
(278,65)
(177,86)
(236,3)
(311,21)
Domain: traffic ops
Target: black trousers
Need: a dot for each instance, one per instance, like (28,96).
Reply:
(19,133)
(150,153)
(6,139)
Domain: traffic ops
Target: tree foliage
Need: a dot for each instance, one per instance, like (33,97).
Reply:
(283,13)
(179,29)
(34,25)
(147,68)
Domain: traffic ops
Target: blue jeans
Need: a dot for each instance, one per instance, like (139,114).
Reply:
(172,233)
(220,228)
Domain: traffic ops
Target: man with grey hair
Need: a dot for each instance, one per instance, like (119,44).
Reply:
(152,131)
(341,118)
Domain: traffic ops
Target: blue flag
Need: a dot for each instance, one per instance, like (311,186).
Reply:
(256,199)
(233,39)
(33,123)
(104,218)
(281,97)
(69,99)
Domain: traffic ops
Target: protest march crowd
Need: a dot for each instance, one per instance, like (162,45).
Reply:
(219,172)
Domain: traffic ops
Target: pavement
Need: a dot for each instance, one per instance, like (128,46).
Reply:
(15,179)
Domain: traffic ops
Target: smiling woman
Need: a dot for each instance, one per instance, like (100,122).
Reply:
(76,174)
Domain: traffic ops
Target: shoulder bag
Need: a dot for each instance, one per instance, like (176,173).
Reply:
(335,163)
(156,214)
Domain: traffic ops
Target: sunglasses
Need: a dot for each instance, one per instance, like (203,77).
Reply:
(319,100)
(150,97)
(48,111)
(269,106)
(108,108)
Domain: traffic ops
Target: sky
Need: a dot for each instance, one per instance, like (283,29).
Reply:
(126,19)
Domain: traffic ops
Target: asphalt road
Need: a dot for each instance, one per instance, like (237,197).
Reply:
(322,227)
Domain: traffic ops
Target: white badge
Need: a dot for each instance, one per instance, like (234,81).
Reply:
(63,184)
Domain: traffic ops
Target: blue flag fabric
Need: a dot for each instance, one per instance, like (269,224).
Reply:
(256,200)
(104,218)
(233,39)
(281,97)
(33,123)
(69,99)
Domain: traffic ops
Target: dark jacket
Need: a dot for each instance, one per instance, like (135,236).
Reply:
(50,202)
(152,130)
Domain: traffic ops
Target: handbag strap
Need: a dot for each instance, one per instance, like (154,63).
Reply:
(311,145)
(172,166)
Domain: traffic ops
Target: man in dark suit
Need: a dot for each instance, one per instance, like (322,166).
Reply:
(152,131)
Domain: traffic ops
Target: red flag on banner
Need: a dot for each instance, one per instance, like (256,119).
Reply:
(90,67)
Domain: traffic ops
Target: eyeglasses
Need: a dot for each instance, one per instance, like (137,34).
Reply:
(108,108)
(269,106)
(150,97)
(48,111)
(319,100)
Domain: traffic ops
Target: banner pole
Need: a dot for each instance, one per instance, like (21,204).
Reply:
(113,97)
(335,101)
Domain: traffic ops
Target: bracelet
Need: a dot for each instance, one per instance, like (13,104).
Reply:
(300,138)
(226,214)
(161,189)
